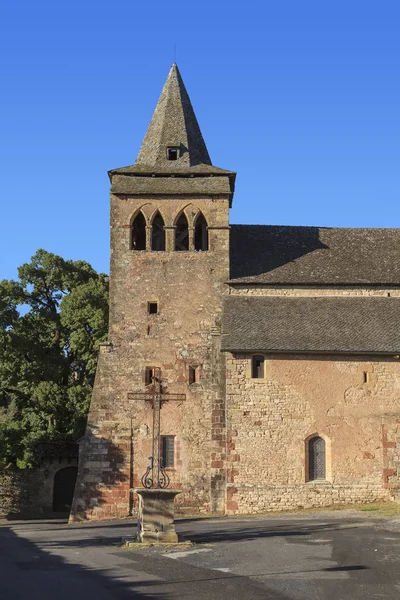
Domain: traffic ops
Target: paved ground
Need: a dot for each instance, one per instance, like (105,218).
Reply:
(320,556)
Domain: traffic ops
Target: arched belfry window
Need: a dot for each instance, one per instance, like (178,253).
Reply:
(139,233)
(158,233)
(200,234)
(182,234)
(316,458)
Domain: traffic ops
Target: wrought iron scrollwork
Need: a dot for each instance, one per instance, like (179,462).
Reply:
(163,479)
(147,482)
(160,478)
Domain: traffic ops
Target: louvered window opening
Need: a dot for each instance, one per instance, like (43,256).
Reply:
(168,450)
(316,458)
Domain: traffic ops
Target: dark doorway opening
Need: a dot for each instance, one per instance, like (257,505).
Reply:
(63,491)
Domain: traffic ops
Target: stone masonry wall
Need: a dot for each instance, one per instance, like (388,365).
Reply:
(21,492)
(354,404)
(28,493)
(188,287)
(391,454)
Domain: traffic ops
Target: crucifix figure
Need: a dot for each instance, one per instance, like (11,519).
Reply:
(155,476)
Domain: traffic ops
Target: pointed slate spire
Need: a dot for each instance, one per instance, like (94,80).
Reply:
(173,140)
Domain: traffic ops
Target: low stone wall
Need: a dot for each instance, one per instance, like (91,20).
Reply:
(22,493)
(28,493)
(264,498)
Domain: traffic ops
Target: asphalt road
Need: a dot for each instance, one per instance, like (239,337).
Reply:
(323,556)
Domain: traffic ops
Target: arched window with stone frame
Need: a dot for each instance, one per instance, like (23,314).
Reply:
(157,233)
(316,458)
(182,234)
(200,233)
(138,232)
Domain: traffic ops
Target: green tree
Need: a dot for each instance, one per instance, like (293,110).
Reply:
(51,323)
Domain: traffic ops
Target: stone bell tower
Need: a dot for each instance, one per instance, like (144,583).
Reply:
(169,265)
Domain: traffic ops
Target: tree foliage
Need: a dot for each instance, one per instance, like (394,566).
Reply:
(51,322)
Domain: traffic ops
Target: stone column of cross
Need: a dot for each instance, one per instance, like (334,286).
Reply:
(155,476)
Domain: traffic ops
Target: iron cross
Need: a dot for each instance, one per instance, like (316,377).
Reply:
(155,476)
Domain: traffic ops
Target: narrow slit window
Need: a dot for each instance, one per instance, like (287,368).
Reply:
(192,375)
(182,234)
(168,450)
(365,375)
(148,375)
(138,233)
(201,234)
(152,308)
(257,367)
(316,459)
(158,234)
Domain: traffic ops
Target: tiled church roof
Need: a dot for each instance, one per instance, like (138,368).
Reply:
(327,324)
(262,254)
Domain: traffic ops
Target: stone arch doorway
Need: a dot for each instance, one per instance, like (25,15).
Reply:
(63,489)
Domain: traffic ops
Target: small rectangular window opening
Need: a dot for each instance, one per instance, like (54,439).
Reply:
(152,308)
(257,367)
(366,376)
(168,450)
(148,375)
(192,375)
(172,153)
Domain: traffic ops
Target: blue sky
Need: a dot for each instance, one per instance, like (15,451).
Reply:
(302,99)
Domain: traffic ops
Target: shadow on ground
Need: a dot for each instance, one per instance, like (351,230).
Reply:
(232,533)
(200,533)
(28,572)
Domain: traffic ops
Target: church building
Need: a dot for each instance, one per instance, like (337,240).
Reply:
(274,351)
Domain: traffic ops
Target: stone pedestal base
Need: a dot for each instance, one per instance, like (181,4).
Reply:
(156,515)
